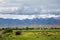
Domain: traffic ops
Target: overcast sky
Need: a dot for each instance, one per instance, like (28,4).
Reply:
(33,7)
(34,3)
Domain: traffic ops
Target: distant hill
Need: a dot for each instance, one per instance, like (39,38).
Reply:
(35,21)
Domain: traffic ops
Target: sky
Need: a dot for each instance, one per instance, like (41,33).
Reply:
(22,9)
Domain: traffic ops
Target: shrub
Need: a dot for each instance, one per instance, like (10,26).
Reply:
(27,28)
(18,32)
(0,29)
(8,30)
(3,28)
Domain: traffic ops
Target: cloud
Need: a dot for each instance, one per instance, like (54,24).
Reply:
(34,3)
(8,9)
(2,1)
(22,17)
(27,7)
(27,10)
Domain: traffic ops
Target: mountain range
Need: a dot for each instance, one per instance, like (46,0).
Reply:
(34,21)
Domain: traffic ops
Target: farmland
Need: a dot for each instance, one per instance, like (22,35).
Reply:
(30,34)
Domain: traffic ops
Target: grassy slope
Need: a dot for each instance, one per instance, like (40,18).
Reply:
(33,35)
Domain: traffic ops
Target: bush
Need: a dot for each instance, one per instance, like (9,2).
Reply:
(8,30)
(3,28)
(0,29)
(18,32)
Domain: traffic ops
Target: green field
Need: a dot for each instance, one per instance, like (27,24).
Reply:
(41,34)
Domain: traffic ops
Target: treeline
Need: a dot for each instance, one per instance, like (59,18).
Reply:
(27,28)
(19,30)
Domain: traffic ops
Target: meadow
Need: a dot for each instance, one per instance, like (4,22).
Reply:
(30,34)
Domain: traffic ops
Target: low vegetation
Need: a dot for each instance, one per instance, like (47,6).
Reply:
(7,30)
(18,32)
(30,33)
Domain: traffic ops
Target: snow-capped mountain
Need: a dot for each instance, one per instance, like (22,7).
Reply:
(35,21)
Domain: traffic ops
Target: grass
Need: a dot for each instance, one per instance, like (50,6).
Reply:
(41,34)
